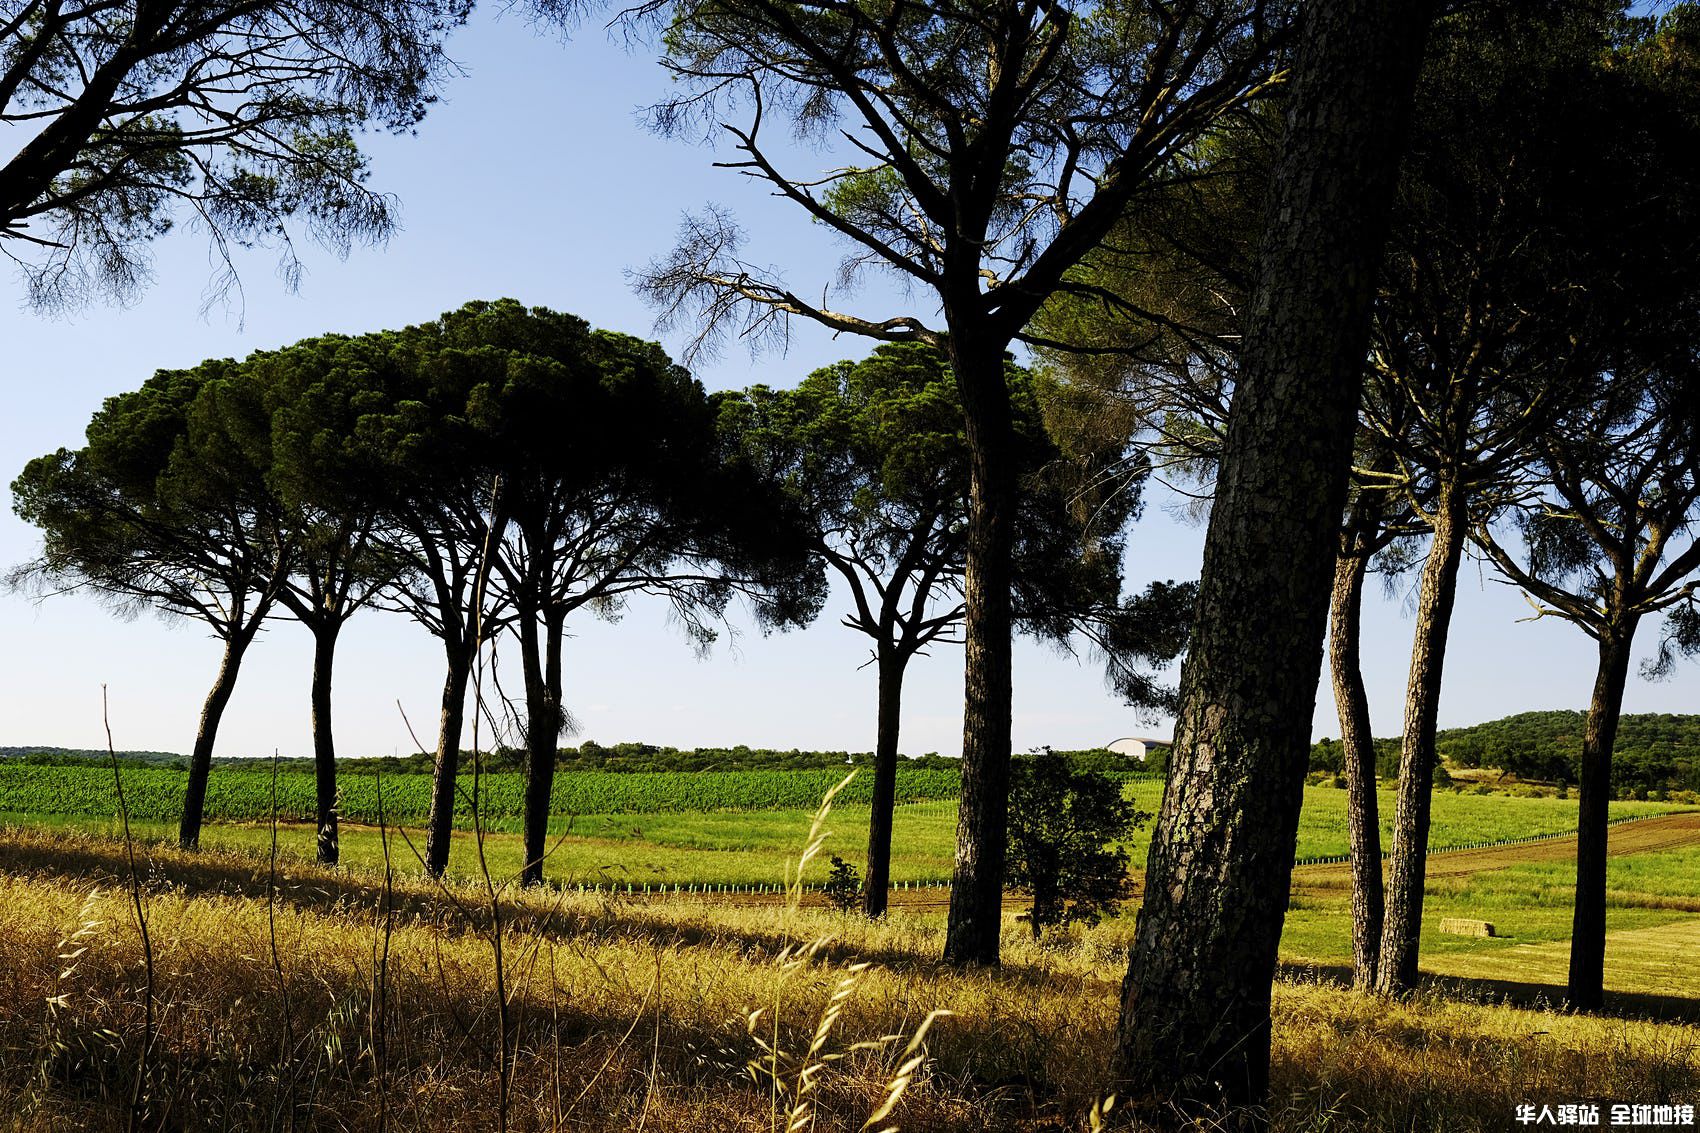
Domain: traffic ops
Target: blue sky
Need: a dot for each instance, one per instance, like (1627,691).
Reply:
(535,179)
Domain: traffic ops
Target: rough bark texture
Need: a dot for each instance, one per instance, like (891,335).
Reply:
(441,825)
(1363,818)
(1194,1027)
(1586,988)
(200,759)
(976,895)
(876,882)
(1396,972)
(542,663)
(324,746)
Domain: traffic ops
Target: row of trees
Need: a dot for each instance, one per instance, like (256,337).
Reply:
(1526,383)
(998,145)
(1530,389)
(499,470)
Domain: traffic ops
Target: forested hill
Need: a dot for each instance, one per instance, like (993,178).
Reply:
(91,755)
(1652,751)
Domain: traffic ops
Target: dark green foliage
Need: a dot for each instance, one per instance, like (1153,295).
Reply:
(166,505)
(591,755)
(1106,762)
(1652,752)
(657,758)
(76,757)
(843,885)
(875,453)
(1063,829)
(1330,755)
(1681,639)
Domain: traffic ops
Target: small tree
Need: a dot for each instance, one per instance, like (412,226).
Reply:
(843,885)
(1063,829)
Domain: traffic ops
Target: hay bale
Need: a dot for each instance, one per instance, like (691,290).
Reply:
(1459,926)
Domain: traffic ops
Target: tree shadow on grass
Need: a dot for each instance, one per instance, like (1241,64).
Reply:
(456,907)
(1517,993)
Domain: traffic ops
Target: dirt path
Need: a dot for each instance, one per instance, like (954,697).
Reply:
(1643,836)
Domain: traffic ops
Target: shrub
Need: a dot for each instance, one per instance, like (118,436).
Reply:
(843,885)
(1063,825)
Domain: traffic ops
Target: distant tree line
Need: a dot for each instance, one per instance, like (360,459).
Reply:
(1652,751)
(53,756)
(588,756)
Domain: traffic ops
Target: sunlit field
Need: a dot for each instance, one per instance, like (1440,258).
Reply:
(749,847)
(328,999)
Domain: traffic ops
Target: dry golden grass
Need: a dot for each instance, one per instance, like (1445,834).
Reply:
(310,1007)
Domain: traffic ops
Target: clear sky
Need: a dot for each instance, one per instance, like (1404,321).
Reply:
(535,179)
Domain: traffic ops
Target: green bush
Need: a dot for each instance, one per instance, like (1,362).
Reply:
(1064,827)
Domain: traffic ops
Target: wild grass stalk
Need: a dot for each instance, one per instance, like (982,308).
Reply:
(286,1062)
(139,1089)
(793,1080)
(378,1012)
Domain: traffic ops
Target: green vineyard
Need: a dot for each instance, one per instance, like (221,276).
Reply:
(156,794)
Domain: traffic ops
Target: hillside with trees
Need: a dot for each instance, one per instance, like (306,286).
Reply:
(1654,751)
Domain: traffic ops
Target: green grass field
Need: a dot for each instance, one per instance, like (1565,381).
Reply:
(750,847)
(1651,922)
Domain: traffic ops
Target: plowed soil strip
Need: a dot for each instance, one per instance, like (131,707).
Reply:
(1643,836)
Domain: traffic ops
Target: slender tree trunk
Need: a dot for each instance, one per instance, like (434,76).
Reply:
(1586,991)
(1363,818)
(976,894)
(543,736)
(200,760)
(877,881)
(1044,898)
(324,745)
(1194,1026)
(441,825)
(1396,972)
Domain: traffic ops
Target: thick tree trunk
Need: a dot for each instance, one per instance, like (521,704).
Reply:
(1363,818)
(1194,1026)
(441,825)
(1396,971)
(1588,928)
(200,759)
(543,735)
(877,880)
(976,894)
(324,745)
